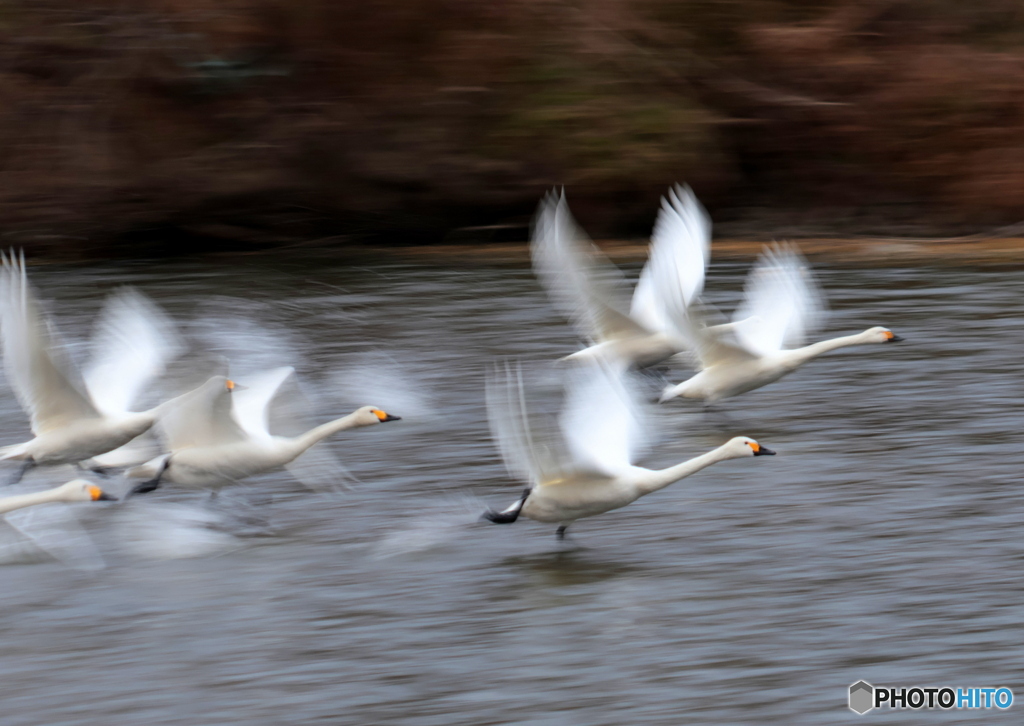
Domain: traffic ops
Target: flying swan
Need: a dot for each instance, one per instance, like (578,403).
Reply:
(589,470)
(76,418)
(765,340)
(219,434)
(588,288)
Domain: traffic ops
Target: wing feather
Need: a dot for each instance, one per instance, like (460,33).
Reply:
(132,344)
(202,417)
(580,281)
(782,303)
(36,366)
(601,420)
(679,252)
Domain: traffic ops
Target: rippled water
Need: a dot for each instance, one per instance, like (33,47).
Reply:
(883,543)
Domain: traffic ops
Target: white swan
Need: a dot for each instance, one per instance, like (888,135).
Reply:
(218,434)
(75,420)
(77,490)
(588,469)
(587,287)
(765,340)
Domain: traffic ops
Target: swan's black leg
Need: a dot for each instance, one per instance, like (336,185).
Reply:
(21,472)
(150,485)
(144,488)
(510,515)
(104,471)
(560,532)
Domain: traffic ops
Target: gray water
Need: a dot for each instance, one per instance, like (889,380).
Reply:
(882,543)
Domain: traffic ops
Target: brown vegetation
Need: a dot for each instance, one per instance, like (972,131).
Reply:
(261,122)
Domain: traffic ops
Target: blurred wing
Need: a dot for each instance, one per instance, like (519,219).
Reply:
(709,345)
(782,303)
(252,401)
(36,368)
(581,283)
(201,418)
(600,420)
(321,471)
(680,248)
(287,413)
(131,346)
(55,529)
(529,454)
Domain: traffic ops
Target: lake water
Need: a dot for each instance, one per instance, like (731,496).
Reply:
(883,543)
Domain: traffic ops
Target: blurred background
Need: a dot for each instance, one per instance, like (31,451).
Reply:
(170,125)
(883,543)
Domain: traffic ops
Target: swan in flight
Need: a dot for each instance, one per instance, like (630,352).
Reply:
(588,288)
(587,469)
(219,434)
(77,490)
(76,418)
(765,340)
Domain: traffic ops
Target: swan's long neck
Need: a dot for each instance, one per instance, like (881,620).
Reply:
(655,480)
(802,355)
(321,432)
(9,504)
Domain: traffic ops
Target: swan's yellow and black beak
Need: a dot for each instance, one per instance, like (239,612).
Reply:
(760,450)
(891,337)
(98,495)
(384,417)
(229,384)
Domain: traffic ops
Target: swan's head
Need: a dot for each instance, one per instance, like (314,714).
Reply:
(81,490)
(881,335)
(371,415)
(741,446)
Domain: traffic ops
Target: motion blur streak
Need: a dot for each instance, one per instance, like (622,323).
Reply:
(880,544)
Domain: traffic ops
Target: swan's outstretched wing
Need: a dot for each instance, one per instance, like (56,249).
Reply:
(36,366)
(272,404)
(580,281)
(782,303)
(252,401)
(531,454)
(131,346)
(686,317)
(600,420)
(679,252)
(201,417)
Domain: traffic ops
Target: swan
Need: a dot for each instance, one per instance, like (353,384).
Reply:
(76,418)
(218,434)
(586,287)
(588,471)
(77,490)
(764,342)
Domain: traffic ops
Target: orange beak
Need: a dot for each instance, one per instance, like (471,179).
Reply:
(98,495)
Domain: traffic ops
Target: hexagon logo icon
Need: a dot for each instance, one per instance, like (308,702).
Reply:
(862,697)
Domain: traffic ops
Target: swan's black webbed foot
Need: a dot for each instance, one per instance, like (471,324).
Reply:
(144,488)
(560,532)
(507,516)
(21,472)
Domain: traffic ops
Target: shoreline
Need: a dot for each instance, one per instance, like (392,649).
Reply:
(873,252)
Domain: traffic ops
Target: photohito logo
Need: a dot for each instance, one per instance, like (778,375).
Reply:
(864,697)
